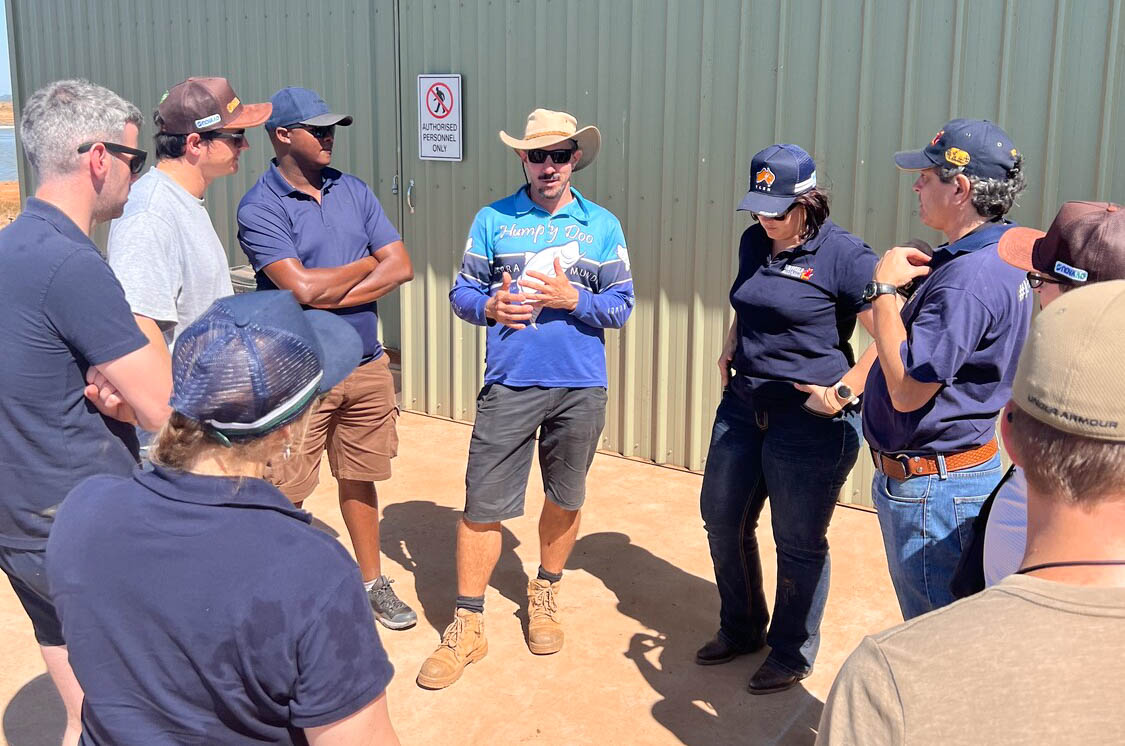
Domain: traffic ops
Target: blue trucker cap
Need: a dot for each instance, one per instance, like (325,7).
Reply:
(294,105)
(254,362)
(778,175)
(977,146)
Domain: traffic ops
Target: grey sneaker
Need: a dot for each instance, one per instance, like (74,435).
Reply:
(391,612)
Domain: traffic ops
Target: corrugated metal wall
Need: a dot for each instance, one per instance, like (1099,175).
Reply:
(139,48)
(684,92)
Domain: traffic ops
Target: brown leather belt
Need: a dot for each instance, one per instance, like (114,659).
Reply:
(902,466)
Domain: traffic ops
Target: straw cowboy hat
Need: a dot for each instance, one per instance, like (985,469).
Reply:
(546,128)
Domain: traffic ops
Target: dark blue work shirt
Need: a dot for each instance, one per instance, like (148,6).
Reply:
(965,327)
(796,312)
(204,609)
(276,221)
(63,311)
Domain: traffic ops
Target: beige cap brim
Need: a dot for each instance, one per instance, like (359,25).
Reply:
(1017,246)
(589,141)
(252,115)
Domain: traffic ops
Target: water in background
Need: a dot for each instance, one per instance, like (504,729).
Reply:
(8,154)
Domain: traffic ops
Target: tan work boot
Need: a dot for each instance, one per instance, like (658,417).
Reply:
(462,643)
(544,631)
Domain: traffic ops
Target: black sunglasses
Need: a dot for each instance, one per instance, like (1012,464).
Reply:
(238,138)
(1036,280)
(759,216)
(319,132)
(558,156)
(136,163)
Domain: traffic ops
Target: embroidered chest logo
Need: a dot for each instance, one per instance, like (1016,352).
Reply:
(797,273)
(763,180)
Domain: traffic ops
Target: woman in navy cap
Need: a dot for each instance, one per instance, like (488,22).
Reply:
(787,427)
(199,604)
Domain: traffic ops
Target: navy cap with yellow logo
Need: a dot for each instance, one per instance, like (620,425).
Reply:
(977,146)
(778,175)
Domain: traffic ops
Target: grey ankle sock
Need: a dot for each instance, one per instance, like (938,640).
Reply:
(548,576)
(470,603)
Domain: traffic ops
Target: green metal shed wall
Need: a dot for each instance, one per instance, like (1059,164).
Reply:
(684,92)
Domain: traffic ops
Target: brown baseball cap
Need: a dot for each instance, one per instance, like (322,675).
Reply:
(1075,349)
(205,104)
(1085,244)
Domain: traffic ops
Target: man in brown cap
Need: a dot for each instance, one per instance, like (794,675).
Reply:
(1036,658)
(163,248)
(1085,244)
(547,271)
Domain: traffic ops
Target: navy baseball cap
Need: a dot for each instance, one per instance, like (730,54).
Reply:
(294,105)
(977,146)
(778,175)
(254,362)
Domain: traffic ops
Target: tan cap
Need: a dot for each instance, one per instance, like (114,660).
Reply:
(1069,370)
(205,104)
(545,128)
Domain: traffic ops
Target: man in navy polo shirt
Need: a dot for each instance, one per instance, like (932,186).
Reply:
(947,361)
(67,322)
(323,235)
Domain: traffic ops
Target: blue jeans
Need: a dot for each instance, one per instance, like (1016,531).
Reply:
(800,461)
(926,523)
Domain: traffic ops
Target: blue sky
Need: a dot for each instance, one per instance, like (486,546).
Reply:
(5,72)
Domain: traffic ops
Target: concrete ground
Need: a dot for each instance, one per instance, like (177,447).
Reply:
(637,600)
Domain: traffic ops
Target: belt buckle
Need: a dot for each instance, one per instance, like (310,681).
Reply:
(904,460)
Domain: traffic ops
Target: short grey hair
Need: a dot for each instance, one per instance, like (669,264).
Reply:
(62,115)
(993,198)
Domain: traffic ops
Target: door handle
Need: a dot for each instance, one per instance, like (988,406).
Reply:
(410,196)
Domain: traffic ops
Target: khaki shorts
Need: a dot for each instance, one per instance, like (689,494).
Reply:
(356,422)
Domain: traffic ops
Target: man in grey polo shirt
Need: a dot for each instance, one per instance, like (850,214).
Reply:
(163,248)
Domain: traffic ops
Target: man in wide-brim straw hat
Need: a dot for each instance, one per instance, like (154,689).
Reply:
(546,270)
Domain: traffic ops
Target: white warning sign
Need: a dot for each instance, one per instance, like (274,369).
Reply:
(439,117)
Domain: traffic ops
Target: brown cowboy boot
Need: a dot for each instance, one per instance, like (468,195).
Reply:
(462,643)
(544,631)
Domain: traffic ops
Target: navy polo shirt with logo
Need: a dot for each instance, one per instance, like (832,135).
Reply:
(965,327)
(204,609)
(276,221)
(796,312)
(63,311)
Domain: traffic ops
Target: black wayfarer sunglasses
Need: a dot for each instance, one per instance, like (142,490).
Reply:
(319,132)
(1036,280)
(558,156)
(136,163)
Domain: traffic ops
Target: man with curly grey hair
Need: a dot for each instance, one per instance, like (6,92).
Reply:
(946,358)
(77,373)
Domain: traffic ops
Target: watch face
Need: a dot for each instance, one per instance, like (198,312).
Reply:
(869,291)
(844,391)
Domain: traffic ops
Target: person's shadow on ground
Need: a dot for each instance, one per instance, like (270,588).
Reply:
(422,537)
(702,705)
(35,716)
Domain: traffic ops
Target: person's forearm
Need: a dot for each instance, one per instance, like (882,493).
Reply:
(856,378)
(889,334)
(325,287)
(152,330)
(387,276)
(606,310)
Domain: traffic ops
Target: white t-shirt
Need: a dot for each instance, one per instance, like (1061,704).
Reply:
(1005,534)
(166,254)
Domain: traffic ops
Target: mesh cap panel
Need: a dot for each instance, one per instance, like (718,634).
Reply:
(238,374)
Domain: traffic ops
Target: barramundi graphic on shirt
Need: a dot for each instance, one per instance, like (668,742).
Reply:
(543,262)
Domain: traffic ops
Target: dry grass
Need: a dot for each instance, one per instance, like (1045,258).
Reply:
(6,115)
(9,201)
